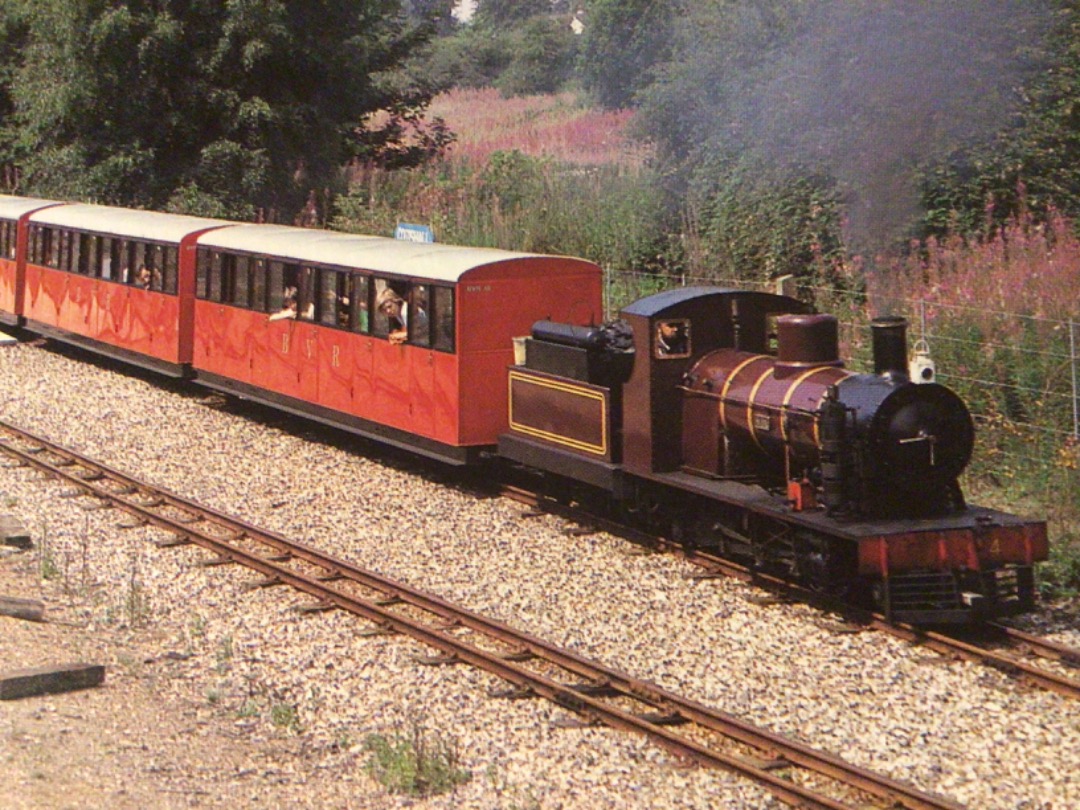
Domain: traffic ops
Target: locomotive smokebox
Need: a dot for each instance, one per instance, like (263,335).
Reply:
(890,346)
(806,341)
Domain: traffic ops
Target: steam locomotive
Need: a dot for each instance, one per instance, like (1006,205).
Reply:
(725,418)
(722,417)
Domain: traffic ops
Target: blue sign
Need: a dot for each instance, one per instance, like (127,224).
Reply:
(413,233)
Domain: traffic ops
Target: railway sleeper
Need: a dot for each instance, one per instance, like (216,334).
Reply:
(269,582)
(437,660)
(98,504)
(378,629)
(513,693)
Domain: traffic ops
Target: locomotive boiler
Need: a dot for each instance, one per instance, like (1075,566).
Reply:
(725,418)
(869,444)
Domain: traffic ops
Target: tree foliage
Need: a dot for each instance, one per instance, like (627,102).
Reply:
(542,58)
(1029,166)
(507,13)
(623,41)
(204,106)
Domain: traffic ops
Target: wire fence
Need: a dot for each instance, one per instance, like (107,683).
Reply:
(1020,375)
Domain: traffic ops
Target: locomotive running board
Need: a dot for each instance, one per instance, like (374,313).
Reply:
(538,455)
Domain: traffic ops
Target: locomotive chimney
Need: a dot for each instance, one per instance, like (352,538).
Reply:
(890,345)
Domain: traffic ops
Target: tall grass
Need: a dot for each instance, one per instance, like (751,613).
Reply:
(609,213)
(554,126)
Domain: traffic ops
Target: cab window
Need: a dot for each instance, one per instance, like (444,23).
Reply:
(671,338)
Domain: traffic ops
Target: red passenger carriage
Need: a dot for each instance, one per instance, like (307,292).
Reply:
(13,215)
(83,282)
(435,384)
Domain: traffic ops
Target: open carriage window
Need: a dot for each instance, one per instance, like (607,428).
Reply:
(359,303)
(442,319)
(672,338)
(333,298)
(258,284)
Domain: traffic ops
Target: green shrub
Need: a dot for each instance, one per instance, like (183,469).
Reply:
(415,762)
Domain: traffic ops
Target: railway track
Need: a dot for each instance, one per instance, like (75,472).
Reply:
(795,773)
(1006,649)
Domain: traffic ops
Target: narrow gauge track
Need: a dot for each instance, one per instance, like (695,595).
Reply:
(793,772)
(982,645)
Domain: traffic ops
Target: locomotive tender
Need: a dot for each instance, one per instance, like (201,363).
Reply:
(722,417)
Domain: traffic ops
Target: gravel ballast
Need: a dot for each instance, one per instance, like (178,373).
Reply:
(317,688)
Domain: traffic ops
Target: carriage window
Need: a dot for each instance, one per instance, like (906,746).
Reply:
(122,269)
(63,250)
(5,239)
(215,276)
(155,262)
(258,285)
(74,255)
(306,295)
(170,269)
(104,269)
(277,286)
(328,297)
(673,338)
(140,273)
(119,260)
(202,273)
(359,303)
(419,323)
(241,296)
(442,318)
(385,321)
(88,256)
(52,247)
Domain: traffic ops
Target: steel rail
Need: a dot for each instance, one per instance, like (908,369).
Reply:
(142,500)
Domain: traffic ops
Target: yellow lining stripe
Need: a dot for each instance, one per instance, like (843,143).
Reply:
(787,400)
(555,438)
(727,386)
(750,404)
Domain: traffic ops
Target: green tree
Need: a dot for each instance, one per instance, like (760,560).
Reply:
(208,107)
(622,42)
(504,13)
(13,40)
(542,57)
(1029,166)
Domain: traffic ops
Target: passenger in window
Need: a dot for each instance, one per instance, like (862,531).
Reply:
(392,305)
(143,278)
(289,306)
